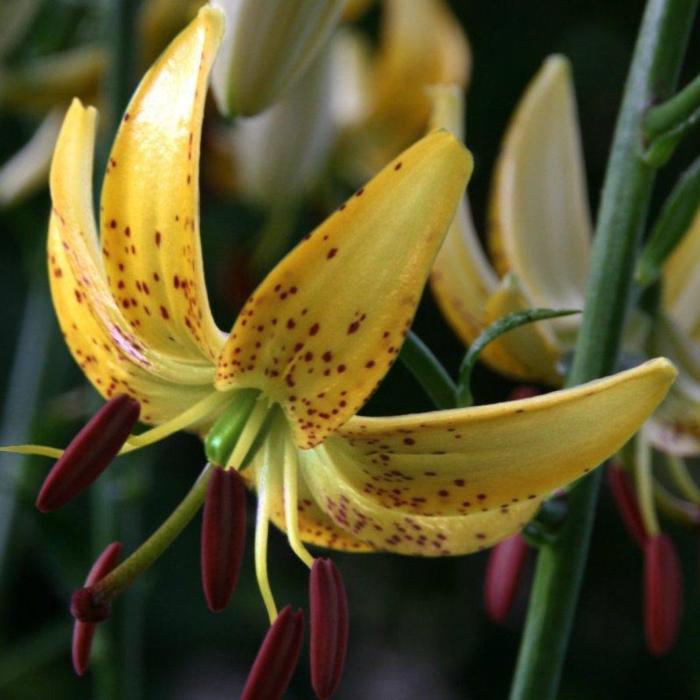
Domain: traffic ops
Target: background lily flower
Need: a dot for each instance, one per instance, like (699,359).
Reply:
(420,44)
(312,342)
(539,238)
(267,47)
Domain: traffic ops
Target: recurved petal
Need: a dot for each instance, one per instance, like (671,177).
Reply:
(462,278)
(150,201)
(529,353)
(385,524)
(681,288)
(101,340)
(327,323)
(315,527)
(540,227)
(464,460)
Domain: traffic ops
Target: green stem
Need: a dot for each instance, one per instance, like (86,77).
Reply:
(141,560)
(417,357)
(675,112)
(626,192)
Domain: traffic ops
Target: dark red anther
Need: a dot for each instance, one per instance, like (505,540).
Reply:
(223,537)
(329,627)
(277,658)
(663,594)
(626,498)
(83,632)
(89,453)
(523,392)
(503,574)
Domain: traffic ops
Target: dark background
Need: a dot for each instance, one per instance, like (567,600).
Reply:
(418,629)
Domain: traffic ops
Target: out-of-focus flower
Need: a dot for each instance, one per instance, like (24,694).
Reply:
(267,47)
(421,44)
(277,397)
(539,235)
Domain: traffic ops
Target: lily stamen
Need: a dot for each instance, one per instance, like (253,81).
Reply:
(262,525)
(291,503)
(645,486)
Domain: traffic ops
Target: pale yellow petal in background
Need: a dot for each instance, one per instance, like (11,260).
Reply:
(268,46)
(150,201)
(681,281)
(529,353)
(540,224)
(462,278)
(327,323)
(675,426)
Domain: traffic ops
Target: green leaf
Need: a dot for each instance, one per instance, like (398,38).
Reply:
(495,330)
(673,223)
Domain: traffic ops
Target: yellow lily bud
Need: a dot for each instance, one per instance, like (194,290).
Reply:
(267,47)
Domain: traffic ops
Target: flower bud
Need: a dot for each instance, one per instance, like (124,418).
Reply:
(83,632)
(503,574)
(223,537)
(277,658)
(623,491)
(89,453)
(267,47)
(663,594)
(329,627)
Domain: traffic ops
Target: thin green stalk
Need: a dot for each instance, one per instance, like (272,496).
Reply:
(426,369)
(675,112)
(122,577)
(627,189)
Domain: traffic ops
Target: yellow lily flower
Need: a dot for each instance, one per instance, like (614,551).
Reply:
(539,235)
(311,344)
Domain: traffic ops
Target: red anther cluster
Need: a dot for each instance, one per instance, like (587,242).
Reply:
(663,594)
(89,453)
(277,658)
(83,630)
(329,627)
(223,537)
(626,499)
(503,574)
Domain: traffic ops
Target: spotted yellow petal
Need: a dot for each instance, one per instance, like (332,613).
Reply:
(373,512)
(540,227)
(462,279)
(150,201)
(529,353)
(101,340)
(327,323)
(463,460)
(315,527)
(681,288)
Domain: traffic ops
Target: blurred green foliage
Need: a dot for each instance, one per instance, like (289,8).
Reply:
(417,626)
